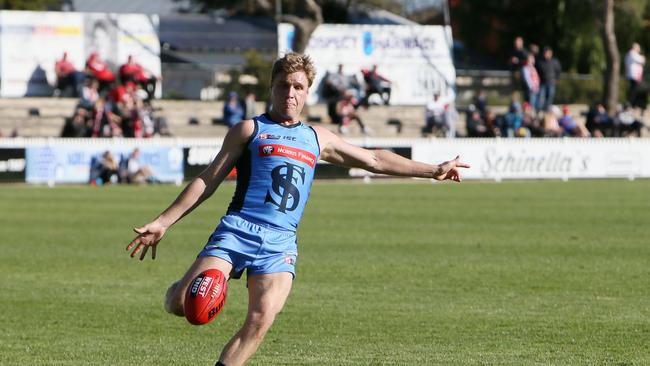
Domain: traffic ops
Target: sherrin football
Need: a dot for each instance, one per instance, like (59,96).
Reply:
(205,297)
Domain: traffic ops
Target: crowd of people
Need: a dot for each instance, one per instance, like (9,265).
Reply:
(119,105)
(109,105)
(535,77)
(109,169)
(344,94)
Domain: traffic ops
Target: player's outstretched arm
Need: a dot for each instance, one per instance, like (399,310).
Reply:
(197,191)
(337,151)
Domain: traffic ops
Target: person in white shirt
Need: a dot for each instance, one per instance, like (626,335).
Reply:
(634,63)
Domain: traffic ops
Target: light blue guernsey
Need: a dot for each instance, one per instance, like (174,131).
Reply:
(275,173)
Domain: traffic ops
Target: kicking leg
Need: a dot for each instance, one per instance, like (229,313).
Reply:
(267,294)
(175,296)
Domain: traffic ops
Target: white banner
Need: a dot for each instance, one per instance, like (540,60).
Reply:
(31,43)
(542,158)
(416,59)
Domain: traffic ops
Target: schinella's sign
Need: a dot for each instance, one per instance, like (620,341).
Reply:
(542,158)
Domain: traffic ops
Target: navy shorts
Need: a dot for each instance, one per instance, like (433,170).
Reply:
(252,247)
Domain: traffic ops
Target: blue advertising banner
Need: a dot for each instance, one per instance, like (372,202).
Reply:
(74,163)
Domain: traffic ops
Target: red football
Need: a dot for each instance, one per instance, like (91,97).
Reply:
(205,297)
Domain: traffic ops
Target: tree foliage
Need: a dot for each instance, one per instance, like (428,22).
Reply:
(31,4)
(571,28)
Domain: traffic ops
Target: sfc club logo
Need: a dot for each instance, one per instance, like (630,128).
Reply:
(268,149)
(284,192)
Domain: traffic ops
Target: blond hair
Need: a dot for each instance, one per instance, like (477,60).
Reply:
(294,62)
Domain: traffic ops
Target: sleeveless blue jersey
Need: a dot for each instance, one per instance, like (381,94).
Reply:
(274,174)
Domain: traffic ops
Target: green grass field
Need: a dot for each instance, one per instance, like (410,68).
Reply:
(516,273)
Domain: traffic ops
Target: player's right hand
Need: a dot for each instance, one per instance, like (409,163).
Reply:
(148,236)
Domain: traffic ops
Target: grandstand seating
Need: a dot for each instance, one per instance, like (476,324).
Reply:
(20,114)
(15,114)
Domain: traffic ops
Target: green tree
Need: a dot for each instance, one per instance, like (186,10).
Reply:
(31,4)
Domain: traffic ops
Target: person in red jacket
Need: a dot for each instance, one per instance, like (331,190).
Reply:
(98,68)
(68,79)
(133,71)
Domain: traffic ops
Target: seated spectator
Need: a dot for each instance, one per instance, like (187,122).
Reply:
(233,112)
(550,123)
(599,123)
(627,122)
(108,169)
(105,123)
(375,84)
(571,127)
(513,120)
(125,102)
(135,171)
(476,126)
(531,125)
(346,111)
(75,126)
(89,94)
(334,86)
(68,78)
(436,116)
(98,68)
(480,103)
(134,72)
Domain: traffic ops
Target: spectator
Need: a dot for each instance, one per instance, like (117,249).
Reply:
(108,169)
(375,84)
(68,78)
(233,112)
(549,73)
(75,126)
(250,105)
(531,81)
(531,124)
(569,125)
(476,126)
(98,68)
(104,122)
(435,116)
(533,49)
(89,94)
(634,62)
(346,111)
(599,123)
(626,122)
(513,120)
(480,103)
(334,86)
(517,58)
(125,103)
(492,123)
(135,171)
(134,72)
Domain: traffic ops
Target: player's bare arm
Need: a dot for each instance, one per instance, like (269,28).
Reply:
(197,191)
(337,151)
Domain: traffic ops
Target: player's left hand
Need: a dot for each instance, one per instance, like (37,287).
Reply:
(449,170)
(148,237)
